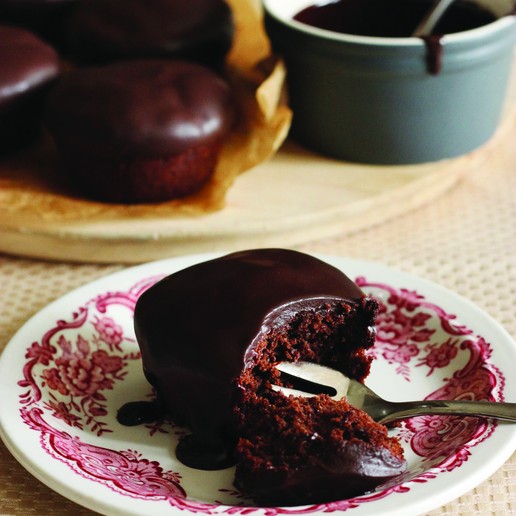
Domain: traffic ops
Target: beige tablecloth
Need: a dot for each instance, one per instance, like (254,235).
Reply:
(465,240)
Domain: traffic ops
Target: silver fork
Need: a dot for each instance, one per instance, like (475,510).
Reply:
(379,409)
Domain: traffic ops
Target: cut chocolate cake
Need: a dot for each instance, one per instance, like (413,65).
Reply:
(210,336)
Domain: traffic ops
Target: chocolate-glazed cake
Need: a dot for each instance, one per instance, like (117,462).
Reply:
(142,130)
(27,68)
(101,31)
(210,336)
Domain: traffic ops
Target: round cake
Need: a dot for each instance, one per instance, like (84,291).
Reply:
(27,67)
(105,30)
(210,337)
(140,130)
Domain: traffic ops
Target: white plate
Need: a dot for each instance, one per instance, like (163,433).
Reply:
(67,371)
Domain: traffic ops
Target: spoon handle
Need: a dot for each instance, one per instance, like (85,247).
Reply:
(432,18)
(403,410)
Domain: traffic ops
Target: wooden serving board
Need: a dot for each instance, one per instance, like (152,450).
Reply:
(293,198)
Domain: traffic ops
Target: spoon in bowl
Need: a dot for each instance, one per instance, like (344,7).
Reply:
(431,19)
(334,383)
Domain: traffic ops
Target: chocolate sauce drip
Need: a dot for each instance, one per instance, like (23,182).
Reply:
(205,454)
(198,454)
(137,413)
(434,53)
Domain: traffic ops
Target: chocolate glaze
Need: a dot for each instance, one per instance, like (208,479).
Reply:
(392,19)
(201,454)
(27,67)
(140,412)
(353,470)
(103,30)
(139,108)
(396,19)
(194,346)
(44,17)
(434,53)
(32,7)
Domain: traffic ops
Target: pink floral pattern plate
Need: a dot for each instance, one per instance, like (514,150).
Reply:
(70,368)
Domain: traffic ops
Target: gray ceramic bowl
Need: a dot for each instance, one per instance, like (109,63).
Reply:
(372,99)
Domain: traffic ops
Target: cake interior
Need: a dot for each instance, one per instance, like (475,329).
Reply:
(294,450)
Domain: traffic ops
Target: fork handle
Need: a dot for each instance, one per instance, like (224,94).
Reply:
(402,410)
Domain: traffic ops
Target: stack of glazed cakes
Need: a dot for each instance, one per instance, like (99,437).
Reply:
(144,111)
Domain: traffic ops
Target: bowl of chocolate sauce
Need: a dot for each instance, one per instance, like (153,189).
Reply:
(362,88)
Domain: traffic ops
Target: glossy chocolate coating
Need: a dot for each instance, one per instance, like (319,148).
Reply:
(32,7)
(351,471)
(45,17)
(139,108)
(393,18)
(196,329)
(103,30)
(27,67)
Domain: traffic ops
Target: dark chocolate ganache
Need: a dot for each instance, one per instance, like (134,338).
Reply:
(27,67)
(396,19)
(353,470)
(44,17)
(139,108)
(196,330)
(104,30)
(393,18)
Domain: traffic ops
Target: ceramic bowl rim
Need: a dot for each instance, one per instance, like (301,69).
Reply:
(458,37)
